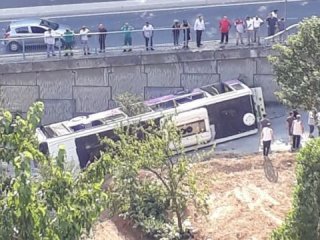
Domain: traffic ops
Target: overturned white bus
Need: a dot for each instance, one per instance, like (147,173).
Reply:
(207,115)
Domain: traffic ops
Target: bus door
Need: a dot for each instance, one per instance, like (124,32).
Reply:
(72,160)
(194,127)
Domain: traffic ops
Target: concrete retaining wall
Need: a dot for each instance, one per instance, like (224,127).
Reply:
(73,87)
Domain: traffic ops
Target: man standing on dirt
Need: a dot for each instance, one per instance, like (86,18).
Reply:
(266,138)
(297,131)
(289,121)
(264,121)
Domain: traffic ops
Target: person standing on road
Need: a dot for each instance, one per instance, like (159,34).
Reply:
(147,32)
(186,34)
(250,29)
(224,26)
(264,121)
(127,29)
(102,37)
(84,38)
(240,28)
(199,27)
(266,138)
(68,38)
(289,121)
(257,22)
(49,39)
(176,32)
(312,115)
(297,131)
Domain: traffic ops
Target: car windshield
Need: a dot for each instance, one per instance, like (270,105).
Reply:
(49,24)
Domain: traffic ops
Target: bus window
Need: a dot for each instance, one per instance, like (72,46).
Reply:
(192,128)
(78,127)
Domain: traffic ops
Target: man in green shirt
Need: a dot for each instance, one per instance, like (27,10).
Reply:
(68,38)
(127,29)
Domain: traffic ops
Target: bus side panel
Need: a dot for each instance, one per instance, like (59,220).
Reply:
(227,116)
(89,147)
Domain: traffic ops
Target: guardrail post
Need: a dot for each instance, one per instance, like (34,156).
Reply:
(23,49)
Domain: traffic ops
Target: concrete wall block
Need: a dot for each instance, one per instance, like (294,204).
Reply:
(57,111)
(264,66)
(164,75)
(16,67)
(200,67)
(18,79)
(84,63)
(91,77)
(189,56)
(156,58)
(154,92)
(268,85)
(127,79)
(124,60)
(91,99)
(242,69)
(18,98)
(56,84)
(192,81)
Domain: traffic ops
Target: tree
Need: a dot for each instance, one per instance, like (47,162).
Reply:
(47,201)
(297,66)
(152,178)
(303,221)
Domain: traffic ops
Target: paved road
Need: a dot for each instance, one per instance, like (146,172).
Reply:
(29,3)
(163,18)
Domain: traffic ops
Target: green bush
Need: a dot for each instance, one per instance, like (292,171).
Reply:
(303,221)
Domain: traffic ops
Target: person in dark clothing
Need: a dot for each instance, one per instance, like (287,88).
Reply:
(272,22)
(102,37)
(176,32)
(289,120)
(186,33)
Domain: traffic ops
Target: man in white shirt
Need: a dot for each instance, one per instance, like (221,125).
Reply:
(257,22)
(49,39)
(199,27)
(266,138)
(250,29)
(147,32)
(84,38)
(297,131)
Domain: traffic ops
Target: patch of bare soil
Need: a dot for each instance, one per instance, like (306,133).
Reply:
(243,203)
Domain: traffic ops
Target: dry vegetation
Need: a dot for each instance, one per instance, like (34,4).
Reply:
(243,204)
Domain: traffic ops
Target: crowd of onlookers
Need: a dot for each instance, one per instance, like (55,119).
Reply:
(249,28)
(295,128)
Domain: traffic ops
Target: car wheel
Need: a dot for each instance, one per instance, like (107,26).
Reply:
(14,46)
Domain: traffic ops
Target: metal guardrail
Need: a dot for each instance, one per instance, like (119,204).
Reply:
(282,35)
(114,42)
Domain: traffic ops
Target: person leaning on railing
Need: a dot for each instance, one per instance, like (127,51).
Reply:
(127,29)
(102,37)
(68,38)
(49,40)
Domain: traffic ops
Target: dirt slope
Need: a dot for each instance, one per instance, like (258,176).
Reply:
(243,204)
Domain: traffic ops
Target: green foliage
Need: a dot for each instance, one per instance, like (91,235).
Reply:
(152,179)
(303,222)
(46,202)
(297,66)
(131,104)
